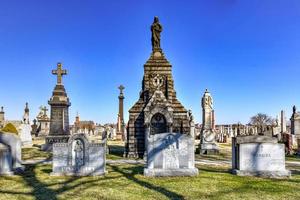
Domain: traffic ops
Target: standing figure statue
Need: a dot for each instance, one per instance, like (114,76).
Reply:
(79,153)
(156,28)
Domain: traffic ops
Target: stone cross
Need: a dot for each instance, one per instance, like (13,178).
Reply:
(44,109)
(59,72)
(121,88)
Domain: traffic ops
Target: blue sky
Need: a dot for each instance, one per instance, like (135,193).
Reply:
(247,53)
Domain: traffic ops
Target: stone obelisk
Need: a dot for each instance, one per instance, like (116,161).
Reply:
(59,117)
(121,124)
(207,137)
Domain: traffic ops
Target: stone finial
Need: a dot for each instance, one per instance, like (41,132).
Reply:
(2,109)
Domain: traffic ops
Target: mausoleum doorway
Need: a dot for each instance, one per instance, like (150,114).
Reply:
(158,124)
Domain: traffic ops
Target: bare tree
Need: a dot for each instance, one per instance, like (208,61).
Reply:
(261,119)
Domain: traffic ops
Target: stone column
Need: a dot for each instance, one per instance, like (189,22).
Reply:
(120,123)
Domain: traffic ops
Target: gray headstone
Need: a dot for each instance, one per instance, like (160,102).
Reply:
(170,154)
(258,156)
(79,157)
(5,160)
(14,143)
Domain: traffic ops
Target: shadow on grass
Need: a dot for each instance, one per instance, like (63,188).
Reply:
(116,150)
(130,175)
(43,191)
(215,170)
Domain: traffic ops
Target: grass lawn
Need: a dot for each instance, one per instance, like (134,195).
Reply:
(126,181)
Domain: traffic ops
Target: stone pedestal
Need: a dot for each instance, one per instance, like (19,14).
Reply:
(258,156)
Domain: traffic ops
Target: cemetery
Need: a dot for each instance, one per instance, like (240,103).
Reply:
(161,152)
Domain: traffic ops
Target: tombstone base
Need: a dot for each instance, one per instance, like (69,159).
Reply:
(7,173)
(209,149)
(77,174)
(54,139)
(170,172)
(264,174)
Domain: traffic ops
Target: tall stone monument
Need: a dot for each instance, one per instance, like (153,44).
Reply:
(157,110)
(59,116)
(207,136)
(120,123)
(2,118)
(295,126)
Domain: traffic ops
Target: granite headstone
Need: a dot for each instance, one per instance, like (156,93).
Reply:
(258,156)
(79,157)
(170,154)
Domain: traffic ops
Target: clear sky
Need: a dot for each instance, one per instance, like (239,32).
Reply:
(247,53)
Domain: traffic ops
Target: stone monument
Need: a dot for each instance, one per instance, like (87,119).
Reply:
(258,155)
(170,154)
(157,110)
(207,136)
(2,118)
(43,122)
(59,117)
(120,123)
(25,128)
(295,126)
(79,157)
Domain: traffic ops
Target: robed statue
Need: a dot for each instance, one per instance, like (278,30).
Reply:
(156,28)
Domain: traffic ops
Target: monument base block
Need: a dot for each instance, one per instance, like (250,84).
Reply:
(265,174)
(170,172)
(50,140)
(78,174)
(209,148)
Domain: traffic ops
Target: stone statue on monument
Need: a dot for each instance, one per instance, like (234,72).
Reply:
(156,29)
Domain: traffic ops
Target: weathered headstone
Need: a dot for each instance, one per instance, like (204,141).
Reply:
(12,141)
(78,157)
(170,154)
(5,160)
(59,117)
(207,137)
(258,156)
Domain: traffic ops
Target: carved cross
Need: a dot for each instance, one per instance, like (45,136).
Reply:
(59,72)
(121,88)
(44,109)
